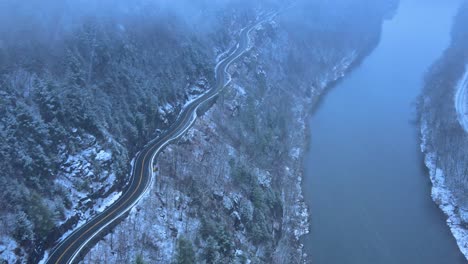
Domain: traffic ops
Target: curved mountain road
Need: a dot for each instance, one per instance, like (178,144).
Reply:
(461,100)
(68,250)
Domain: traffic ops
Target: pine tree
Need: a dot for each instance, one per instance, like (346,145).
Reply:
(211,251)
(23,229)
(139,259)
(184,252)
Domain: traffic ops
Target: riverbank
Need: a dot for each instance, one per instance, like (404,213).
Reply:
(88,118)
(171,206)
(443,196)
(369,196)
(240,196)
(444,139)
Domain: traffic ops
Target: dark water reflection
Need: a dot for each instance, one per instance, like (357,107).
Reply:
(368,192)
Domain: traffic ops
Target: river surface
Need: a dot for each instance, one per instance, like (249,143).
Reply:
(365,182)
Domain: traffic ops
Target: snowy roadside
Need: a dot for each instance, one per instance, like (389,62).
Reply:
(168,215)
(461,100)
(443,197)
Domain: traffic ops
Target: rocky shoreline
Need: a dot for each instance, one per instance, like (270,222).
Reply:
(170,207)
(231,189)
(457,217)
(444,140)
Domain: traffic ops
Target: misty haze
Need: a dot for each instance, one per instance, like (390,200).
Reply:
(233,131)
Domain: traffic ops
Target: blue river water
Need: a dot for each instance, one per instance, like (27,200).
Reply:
(365,183)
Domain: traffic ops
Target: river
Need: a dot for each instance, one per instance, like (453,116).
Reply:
(365,183)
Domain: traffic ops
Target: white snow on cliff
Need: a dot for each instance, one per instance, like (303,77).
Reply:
(7,248)
(443,197)
(103,155)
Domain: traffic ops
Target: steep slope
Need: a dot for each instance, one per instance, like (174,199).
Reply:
(230,191)
(444,138)
(83,87)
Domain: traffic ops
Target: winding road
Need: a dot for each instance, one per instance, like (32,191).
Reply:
(69,249)
(461,100)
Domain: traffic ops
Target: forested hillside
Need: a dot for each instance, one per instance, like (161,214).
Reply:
(447,137)
(230,191)
(83,86)
(445,142)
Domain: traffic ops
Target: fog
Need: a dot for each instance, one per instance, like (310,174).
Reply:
(49,20)
(45,25)
(86,84)
(52,16)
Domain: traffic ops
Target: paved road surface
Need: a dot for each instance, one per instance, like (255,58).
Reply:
(461,101)
(68,250)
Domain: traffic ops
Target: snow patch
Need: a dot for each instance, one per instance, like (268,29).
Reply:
(443,197)
(295,153)
(102,204)
(104,155)
(7,249)
(44,258)
(240,89)
(263,177)
(192,97)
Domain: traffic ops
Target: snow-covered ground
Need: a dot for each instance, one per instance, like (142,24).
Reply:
(461,100)
(443,197)
(193,92)
(165,111)
(103,155)
(7,248)
(196,93)
(77,171)
(165,214)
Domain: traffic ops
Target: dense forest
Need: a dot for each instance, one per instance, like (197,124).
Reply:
(79,79)
(239,199)
(85,85)
(447,139)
